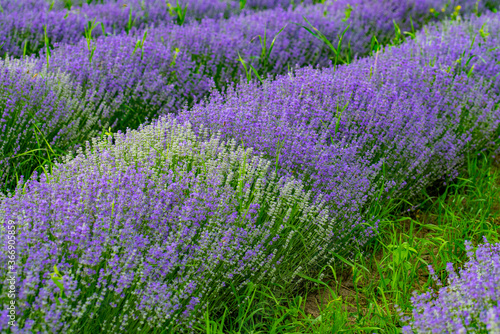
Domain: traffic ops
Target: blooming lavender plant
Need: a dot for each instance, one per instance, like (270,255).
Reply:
(469,303)
(40,110)
(392,79)
(295,46)
(145,230)
(23,29)
(460,47)
(128,225)
(353,174)
(135,83)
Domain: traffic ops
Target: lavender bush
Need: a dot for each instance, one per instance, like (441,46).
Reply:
(469,303)
(23,28)
(40,110)
(463,47)
(139,232)
(130,107)
(162,75)
(147,229)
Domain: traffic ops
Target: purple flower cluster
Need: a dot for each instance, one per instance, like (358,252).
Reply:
(135,84)
(23,27)
(462,47)
(36,106)
(113,91)
(469,303)
(149,227)
(178,66)
(23,21)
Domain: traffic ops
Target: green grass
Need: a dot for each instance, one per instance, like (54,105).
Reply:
(364,296)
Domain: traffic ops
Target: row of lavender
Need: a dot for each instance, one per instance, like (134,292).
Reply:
(247,180)
(109,82)
(423,108)
(23,23)
(182,62)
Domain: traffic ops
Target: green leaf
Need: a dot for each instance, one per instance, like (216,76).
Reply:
(256,73)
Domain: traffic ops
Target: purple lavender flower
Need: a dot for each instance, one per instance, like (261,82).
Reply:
(469,303)
(149,226)
(461,47)
(342,152)
(354,134)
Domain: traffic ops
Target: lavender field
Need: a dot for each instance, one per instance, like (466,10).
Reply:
(249,166)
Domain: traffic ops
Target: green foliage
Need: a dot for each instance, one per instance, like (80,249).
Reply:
(348,11)
(68,4)
(47,46)
(43,158)
(56,277)
(337,58)
(243,3)
(140,44)
(338,116)
(130,22)
(264,65)
(178,12)
(88,36)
